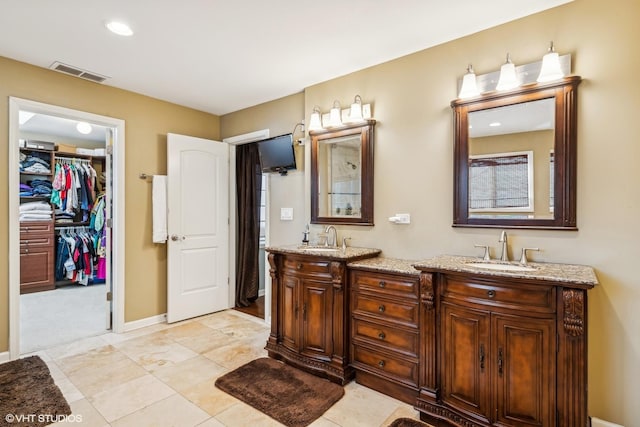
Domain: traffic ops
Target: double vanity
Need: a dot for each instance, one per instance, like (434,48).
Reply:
(467,341)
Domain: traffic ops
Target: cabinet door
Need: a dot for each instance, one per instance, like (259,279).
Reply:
(524,353)
(36,266)
(290,308)
(465,364)
(317,315)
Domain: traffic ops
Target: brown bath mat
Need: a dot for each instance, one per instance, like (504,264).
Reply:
(288,395)
(408,422)
(28,395)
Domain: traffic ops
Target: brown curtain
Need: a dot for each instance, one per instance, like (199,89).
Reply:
(248,187)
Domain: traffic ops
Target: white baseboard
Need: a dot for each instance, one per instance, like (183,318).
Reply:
(4,357)
(148,321)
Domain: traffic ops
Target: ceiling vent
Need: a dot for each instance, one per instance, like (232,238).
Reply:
(78,72)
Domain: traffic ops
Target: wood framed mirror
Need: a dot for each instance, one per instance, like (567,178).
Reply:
(515,157)
(342,174)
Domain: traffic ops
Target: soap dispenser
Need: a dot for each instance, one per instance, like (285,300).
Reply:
(305,236)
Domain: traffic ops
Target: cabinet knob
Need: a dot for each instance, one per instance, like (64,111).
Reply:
(381,363)
(382,335)
(491,293)
(299,266)
(382,283)
(26,251)
(381,308)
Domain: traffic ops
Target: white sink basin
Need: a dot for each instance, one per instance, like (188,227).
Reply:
(500,267)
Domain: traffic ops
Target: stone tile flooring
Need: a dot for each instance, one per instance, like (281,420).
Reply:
(163,375)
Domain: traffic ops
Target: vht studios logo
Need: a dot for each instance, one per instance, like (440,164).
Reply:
(42,418)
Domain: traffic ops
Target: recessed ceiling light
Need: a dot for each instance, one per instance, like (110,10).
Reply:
(119,28)
(84,128)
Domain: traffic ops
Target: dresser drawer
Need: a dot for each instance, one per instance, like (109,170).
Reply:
(383,364)
(385,283)
(35,241)
(303,266)
(387,336)
(521,296)
(386,309)
(35,227)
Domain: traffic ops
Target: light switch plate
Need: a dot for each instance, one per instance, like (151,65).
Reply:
(286,214)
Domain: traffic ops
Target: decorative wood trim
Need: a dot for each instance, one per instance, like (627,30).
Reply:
(337,275)
(426,290)
(574,311)
(440,412)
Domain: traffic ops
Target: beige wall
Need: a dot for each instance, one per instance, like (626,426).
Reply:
(413,168)
(147,123)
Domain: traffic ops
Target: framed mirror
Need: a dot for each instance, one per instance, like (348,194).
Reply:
(342,175)
(515,157)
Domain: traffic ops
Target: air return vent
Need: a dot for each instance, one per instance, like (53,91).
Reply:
(78,72)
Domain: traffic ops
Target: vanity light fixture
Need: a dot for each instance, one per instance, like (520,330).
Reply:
(315,121)
(335,115)
(508,79)
(550,69)
(469,87)
(119,28)
(355,114)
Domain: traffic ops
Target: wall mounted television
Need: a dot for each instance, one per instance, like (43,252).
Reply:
(277,154)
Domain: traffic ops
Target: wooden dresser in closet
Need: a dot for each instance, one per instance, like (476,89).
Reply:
(385,326)
(36,256)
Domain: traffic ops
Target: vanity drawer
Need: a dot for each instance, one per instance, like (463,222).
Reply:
(387,336)
(304,266)
(385,283)
(405,312)
(520,296)
(383,364)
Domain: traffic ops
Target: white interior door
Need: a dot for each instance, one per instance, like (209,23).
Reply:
(198,227)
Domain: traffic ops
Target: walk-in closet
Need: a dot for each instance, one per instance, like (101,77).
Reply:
(63,243)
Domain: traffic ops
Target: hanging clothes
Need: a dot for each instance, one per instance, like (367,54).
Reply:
(73,188)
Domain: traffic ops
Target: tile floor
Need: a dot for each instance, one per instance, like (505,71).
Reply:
(163,375)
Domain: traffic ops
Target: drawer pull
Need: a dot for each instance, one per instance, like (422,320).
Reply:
(491,293)
(381,363)
(299,266)
(382,335)
(382,283)
(381,308)
(26,251)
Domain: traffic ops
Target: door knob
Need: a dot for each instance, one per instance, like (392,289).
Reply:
(175,237)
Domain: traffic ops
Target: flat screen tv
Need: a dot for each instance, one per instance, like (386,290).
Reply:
(277,154)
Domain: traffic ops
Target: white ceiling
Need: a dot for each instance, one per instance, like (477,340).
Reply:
(220,56)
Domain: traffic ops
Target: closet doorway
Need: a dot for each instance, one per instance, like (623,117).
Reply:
(260,307)
(66,226)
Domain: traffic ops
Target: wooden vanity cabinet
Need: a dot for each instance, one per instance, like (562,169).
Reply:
(385,332)
(310,313)
(510,352)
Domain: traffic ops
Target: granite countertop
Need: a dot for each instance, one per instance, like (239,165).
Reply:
(567,273)
(321,251)
(389,265)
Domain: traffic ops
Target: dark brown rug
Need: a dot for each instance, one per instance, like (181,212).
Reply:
(408,422)
(288,395)
(28,395)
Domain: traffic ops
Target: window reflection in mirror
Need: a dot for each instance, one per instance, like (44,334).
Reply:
(509,168)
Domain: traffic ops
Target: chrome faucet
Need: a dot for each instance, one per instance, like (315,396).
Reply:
(505,246)
(334,242)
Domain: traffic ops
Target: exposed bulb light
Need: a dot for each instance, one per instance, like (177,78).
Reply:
(315,121)
(551,69)
(84,128)
(335,115)
(508,79)
(355,114)
(469,87)
(119,28)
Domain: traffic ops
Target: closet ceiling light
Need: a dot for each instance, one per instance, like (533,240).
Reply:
(119,28)
(84,128)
